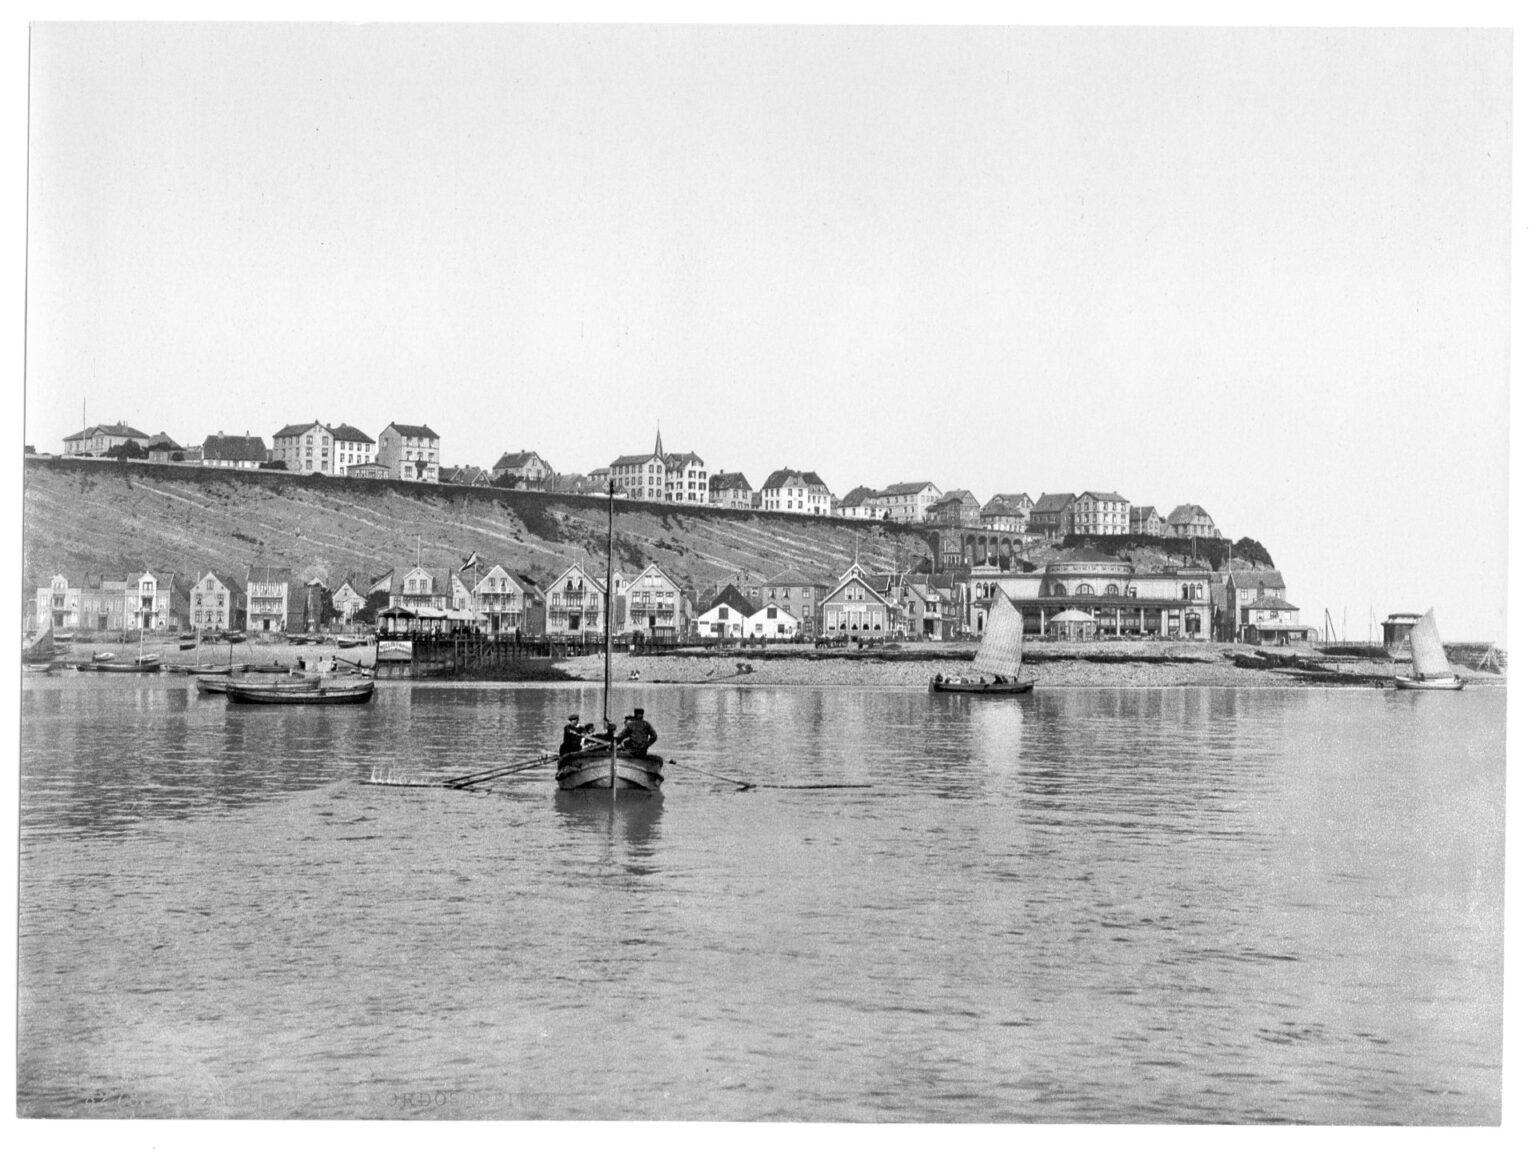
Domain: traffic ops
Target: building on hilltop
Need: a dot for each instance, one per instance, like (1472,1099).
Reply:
(907,502)
(1007,512)
(321,448)
(1051,516)
(1101,514)
(731,490)
(164,450)
(523,470)
(246,451)
(98,439)
(791,490)
(350,446)
(1190,520)
(410,452)
(469,475)
(956,507)
(860,504)
(659,475)
(1145,521)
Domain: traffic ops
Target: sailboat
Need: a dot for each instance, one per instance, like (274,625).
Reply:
(999,660)
(38,654)
(1431,670)
(105,662)
(601,762)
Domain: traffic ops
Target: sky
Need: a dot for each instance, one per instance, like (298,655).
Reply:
(1265,270)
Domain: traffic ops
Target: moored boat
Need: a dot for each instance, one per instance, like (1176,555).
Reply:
(301,691)
(109,663)
(1431,669)
(999,661)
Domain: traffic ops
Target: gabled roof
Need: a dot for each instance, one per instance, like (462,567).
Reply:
(108,430)
(731,598)
(1271,602)
(641,459)
(1096,495)
(418,430)
(1143,511)
(906,488)
(1187,512)
(518,460)
(347,432)
(234,449)
(296,429)
(784,610)
(1054,501)
(1256,578)
(780,477)
(270,574)
(1008,502)
(677,459)
(726,481)
(162,441)
(858,495)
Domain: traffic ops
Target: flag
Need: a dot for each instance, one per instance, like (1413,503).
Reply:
(470,562)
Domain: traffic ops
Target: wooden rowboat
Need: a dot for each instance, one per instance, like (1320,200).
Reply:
(322,691)
(596,768)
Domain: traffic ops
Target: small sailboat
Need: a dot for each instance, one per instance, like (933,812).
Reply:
(108,662)
(1431,669)
(603,761)
(1000,659)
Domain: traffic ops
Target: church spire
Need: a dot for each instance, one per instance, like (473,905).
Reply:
(658,440)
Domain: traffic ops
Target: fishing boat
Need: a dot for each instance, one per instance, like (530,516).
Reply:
(602,762)
(39,650)
(1431,669)
(1000,659)
(109,663)
(301,691)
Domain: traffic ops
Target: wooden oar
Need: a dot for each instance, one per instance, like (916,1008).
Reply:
(743,786)
(481,776)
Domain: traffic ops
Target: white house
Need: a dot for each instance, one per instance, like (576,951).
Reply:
(774,623)
(725,616)
(790,490)
(652,605)
(574,604)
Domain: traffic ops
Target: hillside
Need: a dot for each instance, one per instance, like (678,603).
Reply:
(99,516)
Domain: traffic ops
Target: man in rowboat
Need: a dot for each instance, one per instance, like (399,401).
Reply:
(638,734)
(575,734)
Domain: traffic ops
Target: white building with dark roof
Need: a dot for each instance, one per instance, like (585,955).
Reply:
(246,451)
(1190,520)
(98,438)
(907,501)
(793,490)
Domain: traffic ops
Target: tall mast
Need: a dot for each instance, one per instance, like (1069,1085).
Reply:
(613,744)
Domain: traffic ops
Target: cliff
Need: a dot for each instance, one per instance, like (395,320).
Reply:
(102,516)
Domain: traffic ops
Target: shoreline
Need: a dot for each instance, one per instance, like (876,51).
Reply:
(1083,664)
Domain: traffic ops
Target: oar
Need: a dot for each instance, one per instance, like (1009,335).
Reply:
(483,775)
(743,786)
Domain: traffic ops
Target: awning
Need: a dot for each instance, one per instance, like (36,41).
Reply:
(1071,616)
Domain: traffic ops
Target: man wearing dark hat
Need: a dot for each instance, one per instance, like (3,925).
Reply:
(638,734)
(571,740)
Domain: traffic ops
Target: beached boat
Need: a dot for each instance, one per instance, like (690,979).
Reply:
(301,691)
(999,661)
(601,762)
(1431,669)
(109,663)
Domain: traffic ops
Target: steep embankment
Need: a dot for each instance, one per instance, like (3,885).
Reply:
(101,516)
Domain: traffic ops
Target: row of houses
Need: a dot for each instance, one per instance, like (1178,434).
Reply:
(1189,602)
(413,452)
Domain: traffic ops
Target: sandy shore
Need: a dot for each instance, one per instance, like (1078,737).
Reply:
(1049,664)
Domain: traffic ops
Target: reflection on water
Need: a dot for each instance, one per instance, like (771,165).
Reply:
(1083,905)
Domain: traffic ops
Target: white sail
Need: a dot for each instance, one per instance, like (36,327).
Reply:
(1002,641)
(1428,653)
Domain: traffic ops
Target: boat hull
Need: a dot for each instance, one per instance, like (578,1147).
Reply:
(144,666)
(299,693)
(1441,684)
(590,769)
(1006,689)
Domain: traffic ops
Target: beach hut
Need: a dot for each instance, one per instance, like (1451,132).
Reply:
(1072,625)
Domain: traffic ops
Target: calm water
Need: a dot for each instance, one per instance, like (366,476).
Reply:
(1190,905)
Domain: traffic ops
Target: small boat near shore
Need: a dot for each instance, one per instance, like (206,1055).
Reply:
(1431,668)
(110,663)
(604,761)
(999,660)
(300,691)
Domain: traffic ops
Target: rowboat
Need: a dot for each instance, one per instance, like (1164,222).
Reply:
(601,762)
(320,691)
(999,660)
(108,663)
(1431,669)
(215,682)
